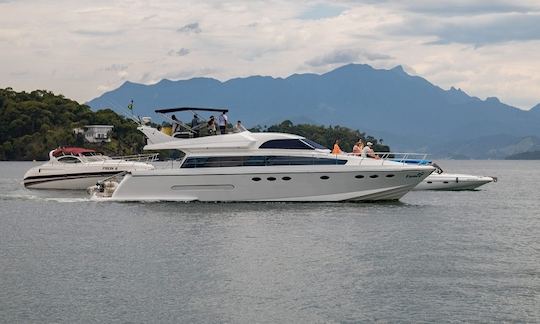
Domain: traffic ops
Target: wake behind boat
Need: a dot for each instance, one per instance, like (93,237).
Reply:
(78,168)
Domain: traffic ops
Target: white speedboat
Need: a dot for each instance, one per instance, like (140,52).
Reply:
(78,168)
(453,181)
(441,180)
(265,167)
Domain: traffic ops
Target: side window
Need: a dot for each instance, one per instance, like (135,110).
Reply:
(255,160)
(69,159)
(290,144)
(194,163)
(299,160)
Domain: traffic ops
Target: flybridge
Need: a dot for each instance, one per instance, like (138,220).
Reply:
(179,109)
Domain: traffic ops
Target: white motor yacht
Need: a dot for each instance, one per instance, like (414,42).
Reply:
(78,168)
(265,167)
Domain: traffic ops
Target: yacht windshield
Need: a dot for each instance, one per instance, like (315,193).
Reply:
(314,144)
(288,144)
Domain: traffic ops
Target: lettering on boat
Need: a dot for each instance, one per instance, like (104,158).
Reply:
(417,175)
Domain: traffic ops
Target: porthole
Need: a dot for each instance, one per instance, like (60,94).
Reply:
(429,182)
(359,176)
(373,176)
(325,177)
(389,175)
(286,178)
(256,179)
(445,181)
(271,179)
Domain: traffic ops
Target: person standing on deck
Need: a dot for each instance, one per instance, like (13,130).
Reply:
(211,125)
(223,120)
(195,125)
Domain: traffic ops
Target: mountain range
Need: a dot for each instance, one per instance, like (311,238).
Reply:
(407,111)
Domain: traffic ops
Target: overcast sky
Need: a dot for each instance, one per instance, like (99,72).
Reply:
(84,48)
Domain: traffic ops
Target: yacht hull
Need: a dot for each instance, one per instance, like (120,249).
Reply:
(320,183)
(452,181)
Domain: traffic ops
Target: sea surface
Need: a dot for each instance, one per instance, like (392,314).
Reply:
(470,256)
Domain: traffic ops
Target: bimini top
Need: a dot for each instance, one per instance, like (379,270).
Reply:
(239,141)
(69,150)
(171,110)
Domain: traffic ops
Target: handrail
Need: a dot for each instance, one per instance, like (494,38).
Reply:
(147,157)
(111,161)
(401,157)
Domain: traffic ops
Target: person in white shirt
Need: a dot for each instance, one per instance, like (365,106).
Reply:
(367,151)
(222,122)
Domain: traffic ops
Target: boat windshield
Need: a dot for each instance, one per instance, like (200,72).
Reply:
(69,159)
(292,144)
(93,156)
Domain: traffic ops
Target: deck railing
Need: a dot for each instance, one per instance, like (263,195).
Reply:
(276,160)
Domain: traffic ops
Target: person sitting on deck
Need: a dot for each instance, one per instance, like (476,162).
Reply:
(367,151)
(357,148)
(337,149)
(238,128)
(175,124)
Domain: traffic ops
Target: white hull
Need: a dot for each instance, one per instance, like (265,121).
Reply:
(280,183)
(77,176)
(452,181)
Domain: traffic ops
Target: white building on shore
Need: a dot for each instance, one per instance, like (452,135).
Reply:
(95,133)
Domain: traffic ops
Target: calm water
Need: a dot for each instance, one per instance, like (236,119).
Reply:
(434,256)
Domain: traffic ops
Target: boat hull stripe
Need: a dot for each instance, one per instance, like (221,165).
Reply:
(29,181)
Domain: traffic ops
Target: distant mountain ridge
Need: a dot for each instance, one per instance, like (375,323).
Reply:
(407,111)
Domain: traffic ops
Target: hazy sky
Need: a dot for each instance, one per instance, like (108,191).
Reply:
(84,48)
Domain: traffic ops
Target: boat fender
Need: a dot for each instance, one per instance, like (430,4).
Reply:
(457,179)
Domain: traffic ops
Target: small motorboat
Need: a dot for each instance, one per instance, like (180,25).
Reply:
(442,180)
(453,181)
(78,168)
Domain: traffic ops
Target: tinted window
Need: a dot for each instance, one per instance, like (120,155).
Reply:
(69,159)
(290,144)
(314,144)
(261,160)
(300,160)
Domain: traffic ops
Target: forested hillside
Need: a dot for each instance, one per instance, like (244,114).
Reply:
(33,123)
